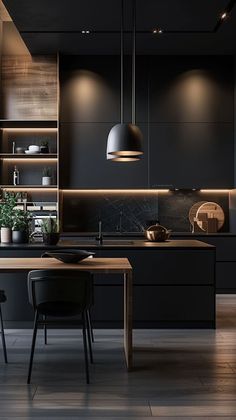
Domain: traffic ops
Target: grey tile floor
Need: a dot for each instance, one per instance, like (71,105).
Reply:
(179,374)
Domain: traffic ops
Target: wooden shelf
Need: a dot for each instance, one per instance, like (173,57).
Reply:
(32,156)
(22,187)
(34,124)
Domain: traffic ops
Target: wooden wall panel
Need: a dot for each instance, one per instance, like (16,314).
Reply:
(29,88)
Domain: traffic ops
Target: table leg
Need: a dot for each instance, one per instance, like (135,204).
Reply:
(128,319)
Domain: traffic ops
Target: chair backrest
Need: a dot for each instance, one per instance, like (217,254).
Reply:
(60,292)
(2,296)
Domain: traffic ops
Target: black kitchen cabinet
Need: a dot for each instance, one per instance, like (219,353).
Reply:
(83,161)
(197,89)
(225,260)
(191,116)
(192,155)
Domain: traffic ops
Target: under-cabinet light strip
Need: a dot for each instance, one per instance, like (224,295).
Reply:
(119,191)
(37,159)
(215,191)
(39,189)
(28,129)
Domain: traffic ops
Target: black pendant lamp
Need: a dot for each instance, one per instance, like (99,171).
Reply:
(124,143)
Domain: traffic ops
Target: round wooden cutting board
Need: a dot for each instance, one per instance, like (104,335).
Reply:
(208,209)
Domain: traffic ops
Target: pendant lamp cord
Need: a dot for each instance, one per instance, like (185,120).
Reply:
(133,66)
(122,63)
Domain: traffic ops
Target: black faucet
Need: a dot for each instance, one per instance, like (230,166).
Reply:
(99,238)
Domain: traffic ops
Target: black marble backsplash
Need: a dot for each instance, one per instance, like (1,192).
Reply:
(134,212)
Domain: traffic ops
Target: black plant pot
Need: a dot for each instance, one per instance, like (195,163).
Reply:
(51,238)
(20,237)
(44,149)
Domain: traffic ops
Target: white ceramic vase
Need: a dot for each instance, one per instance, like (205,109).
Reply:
(6,235)
(46,180)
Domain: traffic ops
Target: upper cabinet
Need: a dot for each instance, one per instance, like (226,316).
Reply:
(184,106)
(191,122)
(193,89)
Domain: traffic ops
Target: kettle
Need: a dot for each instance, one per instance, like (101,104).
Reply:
(157,233)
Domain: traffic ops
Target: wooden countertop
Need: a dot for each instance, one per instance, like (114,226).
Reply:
(112,244)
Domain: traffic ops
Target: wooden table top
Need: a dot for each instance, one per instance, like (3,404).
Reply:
(98,265)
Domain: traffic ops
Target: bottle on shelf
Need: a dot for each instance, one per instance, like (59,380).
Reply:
(13,147)
(16,176)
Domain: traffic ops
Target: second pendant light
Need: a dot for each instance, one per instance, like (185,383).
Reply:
(124,143)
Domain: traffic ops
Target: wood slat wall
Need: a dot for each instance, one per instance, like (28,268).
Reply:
(29,88)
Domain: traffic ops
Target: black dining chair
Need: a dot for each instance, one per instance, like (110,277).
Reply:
(58,294)
(2,300)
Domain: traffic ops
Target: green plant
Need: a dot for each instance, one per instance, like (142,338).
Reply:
(44,143)
(50,225)
(47,172)
(20,220)
(7,209)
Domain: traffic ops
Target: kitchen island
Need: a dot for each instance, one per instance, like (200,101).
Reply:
(174,283)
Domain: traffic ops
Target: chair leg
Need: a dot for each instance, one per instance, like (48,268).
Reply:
(90,325)
(45,331)
(33,346)
(89,337)
(85,348)
(3,337)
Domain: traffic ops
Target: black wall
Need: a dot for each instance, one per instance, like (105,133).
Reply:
(185,108)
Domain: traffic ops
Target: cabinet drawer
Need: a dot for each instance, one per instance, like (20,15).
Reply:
(225,247)
(226,276)
(175,303)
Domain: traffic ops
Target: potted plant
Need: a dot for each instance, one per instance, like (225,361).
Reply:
(47,176)
(50,231)
(7,209)
(20,226)
(44,148)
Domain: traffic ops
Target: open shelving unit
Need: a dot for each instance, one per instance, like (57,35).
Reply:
(23,133)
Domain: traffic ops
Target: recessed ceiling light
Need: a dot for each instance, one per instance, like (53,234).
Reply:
(85,31)
(224,15)
(157,31)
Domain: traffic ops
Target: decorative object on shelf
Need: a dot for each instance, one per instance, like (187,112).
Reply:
(20,150)
(7,209)
(157,233)
(44,147)
(50,231)
(13,147)
(16,176)
(124,143)
(47,176)
(206,216)
(69,256)
(20,226)
(32,149)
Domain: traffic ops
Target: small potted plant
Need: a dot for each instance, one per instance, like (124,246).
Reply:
(47,176)
(44,148)
(7,209)
(20,226)
(50,231)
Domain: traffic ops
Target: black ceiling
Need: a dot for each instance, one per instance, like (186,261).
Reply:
(189,26)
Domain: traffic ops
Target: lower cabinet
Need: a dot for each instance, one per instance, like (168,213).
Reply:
(171,289)
(225,260)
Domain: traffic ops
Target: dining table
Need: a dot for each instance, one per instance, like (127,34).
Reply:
(104,266)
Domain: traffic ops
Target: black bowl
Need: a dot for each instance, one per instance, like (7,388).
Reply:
(68,256)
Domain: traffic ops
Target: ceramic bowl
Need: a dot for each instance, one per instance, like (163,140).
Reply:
(72,257)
